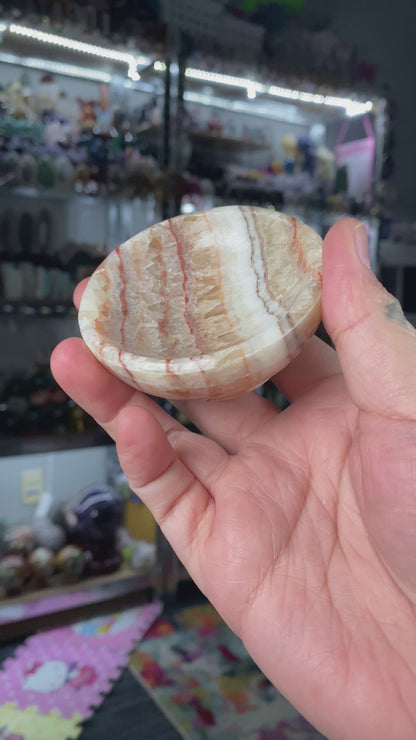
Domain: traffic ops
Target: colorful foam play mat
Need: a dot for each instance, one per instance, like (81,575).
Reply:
(57,679)
(202,678)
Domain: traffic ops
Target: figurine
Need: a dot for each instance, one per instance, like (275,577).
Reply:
(64,172)
(104,112)
(12,574)
(47,533)
(290,148)
(47,95)
(87,117)
(326,166)
(27,170)
(306,149)
(17,100)
(70,561)
(20,540)
(93,518)
(42,563)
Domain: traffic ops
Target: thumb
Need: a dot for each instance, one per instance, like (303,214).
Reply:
(376,345)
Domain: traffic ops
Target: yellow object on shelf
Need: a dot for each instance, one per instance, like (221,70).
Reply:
(139,522)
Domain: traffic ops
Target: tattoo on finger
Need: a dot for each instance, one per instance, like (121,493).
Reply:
(394,312)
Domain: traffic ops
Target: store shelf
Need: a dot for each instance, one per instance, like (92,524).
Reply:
(32,192)
(228,143)
(54,442)
(47,607)
(149,129)
(39,310)
(53,194)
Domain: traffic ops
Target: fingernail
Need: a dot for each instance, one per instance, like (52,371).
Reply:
(361,244)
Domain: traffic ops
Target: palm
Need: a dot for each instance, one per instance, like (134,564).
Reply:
(290,523)
(289,562)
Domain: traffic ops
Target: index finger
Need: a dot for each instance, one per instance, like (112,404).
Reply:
(79,291)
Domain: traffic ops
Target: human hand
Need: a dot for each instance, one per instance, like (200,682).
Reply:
(300,526)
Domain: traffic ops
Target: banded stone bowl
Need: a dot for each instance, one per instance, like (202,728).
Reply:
(207,305)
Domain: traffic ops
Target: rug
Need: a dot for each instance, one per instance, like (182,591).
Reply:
(200,675)
(57,679)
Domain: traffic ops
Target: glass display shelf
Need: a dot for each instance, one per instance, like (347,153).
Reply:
(26,310)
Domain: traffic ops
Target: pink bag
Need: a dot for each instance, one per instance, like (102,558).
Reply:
(358,157)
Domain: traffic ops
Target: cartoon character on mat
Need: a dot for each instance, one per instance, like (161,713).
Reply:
(106,625)
(54,674)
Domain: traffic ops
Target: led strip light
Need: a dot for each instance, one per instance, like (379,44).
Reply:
(351,107)
(253,88)
(63,42)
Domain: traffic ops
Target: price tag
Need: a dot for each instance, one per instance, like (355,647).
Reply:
(31,485)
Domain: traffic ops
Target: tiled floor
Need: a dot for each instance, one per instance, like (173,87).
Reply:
(128,713)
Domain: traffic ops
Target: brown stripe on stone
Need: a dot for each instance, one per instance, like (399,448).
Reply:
(187,287)
(258,277)
(190,318)
(169,369)
(224,311)
(163,322)
(273,298)
(101,323)
(123,302)
(300,255)
(124,366)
